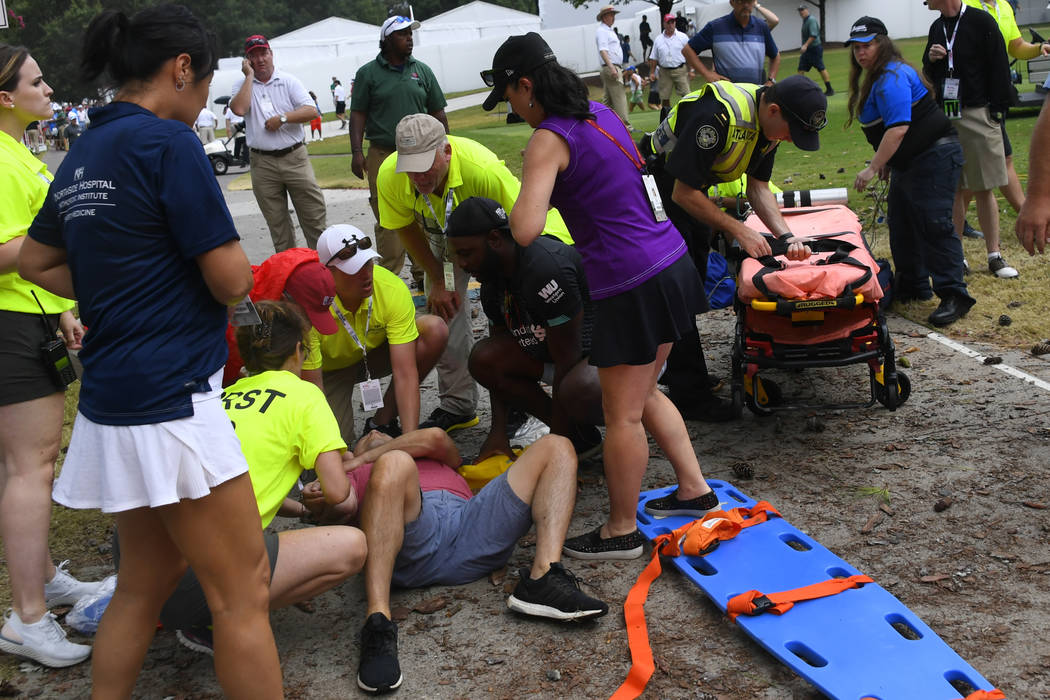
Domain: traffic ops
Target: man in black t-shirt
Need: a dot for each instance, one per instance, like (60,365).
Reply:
(539,310)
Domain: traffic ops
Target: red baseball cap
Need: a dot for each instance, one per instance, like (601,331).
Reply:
(255,41)
(312,287)
(669,16)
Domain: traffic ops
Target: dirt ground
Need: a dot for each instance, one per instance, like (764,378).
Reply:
(970,436)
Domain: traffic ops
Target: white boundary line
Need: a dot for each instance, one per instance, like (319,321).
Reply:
(969,352)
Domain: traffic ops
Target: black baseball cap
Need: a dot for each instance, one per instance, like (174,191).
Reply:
(516,57)
(805,109)
(865,29)
(476,217)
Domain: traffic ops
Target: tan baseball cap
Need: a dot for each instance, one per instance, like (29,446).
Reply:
(418,138)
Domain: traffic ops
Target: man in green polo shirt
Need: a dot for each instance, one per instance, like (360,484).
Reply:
(393,85)
(417,189)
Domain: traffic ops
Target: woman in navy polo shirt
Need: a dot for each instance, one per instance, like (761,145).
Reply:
(135,228)
(917,147)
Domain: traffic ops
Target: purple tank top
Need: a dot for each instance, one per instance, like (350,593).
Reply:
(602,199)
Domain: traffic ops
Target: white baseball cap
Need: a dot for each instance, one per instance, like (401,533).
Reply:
(346,248)
(396,24)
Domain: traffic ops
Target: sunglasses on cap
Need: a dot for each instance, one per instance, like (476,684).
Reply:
(350,249)
(808,124)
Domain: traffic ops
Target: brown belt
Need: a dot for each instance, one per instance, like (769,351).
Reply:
(278,153)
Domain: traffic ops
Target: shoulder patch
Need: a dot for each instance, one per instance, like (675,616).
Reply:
(706,137)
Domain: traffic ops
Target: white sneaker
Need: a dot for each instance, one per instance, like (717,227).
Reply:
(44,641)
(63,589)
(998,267)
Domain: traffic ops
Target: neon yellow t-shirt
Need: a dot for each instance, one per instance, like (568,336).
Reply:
(393,321)
(473,171)
(24,181)
(283,424)
(1004,17)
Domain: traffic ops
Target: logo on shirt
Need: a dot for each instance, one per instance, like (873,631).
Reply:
(78,173)
(706,137)
(551,292)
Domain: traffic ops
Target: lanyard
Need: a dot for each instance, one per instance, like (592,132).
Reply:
(639,163)
(353,335)
(949,43)
(448,209)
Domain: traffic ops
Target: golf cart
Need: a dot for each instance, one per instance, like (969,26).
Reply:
(220,155)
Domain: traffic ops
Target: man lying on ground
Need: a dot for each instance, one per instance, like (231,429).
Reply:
(424,527)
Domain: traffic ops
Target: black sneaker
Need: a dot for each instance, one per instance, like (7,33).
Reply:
(970,231)
(196,638)
(393,428)
(670,505)
(556,595)
(592,546)
(379,671)
(587,441)
(440,418)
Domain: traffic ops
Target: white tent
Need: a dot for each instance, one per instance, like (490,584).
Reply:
(476,20)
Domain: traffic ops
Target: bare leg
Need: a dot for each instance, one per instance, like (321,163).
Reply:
(988,215)
(544,476)
(393,500)
(1012,190)
(313,560)
(30,433)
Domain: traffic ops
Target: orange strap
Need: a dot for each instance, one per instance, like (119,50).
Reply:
(993,694)
(756,603)
(695,538)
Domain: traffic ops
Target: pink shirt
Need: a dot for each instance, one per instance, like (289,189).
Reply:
(433,476)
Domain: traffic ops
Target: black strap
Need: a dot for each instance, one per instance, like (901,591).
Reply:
(840,254)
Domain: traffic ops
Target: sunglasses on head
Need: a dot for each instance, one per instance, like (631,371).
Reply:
(350,248)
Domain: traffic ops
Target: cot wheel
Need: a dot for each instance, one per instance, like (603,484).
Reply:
(892,397)
(764,395)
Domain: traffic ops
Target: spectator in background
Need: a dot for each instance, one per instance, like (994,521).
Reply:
(635,89)
(811,54)
(339,94)
(1019,49)
(739,44)
(972,83)
(275,105)
(681,24)
(610,58)
(645,37)
(235,129)
(205,125)
(625,48)
(667,55)
(385,91)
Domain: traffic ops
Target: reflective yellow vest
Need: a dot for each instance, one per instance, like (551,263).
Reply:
(741,102)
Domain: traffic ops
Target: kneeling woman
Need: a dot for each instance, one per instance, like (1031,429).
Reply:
(918,149)
(285,427)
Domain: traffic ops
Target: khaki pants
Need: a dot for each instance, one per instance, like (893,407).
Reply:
(339,388)
(615,97)
(457,390)
(674,78)
(274,179)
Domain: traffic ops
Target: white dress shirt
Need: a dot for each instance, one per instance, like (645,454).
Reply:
(608,41)
(281,94)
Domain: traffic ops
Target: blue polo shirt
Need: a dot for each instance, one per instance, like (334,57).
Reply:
(133,204)
(739,52)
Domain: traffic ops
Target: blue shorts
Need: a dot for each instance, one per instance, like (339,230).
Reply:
(813,57)
(456,541)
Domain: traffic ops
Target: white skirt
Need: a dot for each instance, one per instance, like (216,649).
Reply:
(121,467)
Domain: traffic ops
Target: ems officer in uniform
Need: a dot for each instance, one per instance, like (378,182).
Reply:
(714,135)
(275,105)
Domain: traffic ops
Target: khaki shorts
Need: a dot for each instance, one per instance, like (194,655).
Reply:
(982,143)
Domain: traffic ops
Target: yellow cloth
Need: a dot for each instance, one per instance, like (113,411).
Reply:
(24,181)
(283,424)
(473,171)
(393,321)
(1004,17)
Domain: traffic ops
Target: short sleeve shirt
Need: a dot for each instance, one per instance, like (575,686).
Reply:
(667,50)
(133,205)
(24,180)
(1004,17)
(811,28)
(206,118)
(549,288)
(284,424)
(474,171)
(739,52)
(387,93)
(607,40)
(280,94)
(433,476)
(691,163)
(393,321)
